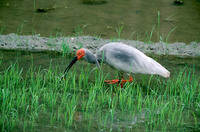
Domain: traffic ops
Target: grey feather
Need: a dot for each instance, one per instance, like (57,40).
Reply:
(128,59)
(91,58)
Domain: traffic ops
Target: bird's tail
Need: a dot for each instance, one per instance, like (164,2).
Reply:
(157,68)
(165,73)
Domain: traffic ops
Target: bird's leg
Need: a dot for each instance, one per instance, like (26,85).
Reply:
(114,80)
(120,74)
(121,83)
(122,80)
(118,81)
(130,79)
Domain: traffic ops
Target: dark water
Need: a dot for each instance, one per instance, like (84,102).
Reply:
(44,60)
(102,18)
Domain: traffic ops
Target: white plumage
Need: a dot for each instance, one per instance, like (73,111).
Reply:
(123,58)
(129,59)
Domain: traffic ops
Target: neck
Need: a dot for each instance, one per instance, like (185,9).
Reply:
(90,57)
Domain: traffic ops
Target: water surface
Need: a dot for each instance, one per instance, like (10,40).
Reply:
(102,18)
(43,60)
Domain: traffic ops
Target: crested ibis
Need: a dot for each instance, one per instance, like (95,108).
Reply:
(122,57)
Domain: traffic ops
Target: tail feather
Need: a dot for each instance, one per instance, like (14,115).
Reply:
(160,70)
(165,73)
(153,67)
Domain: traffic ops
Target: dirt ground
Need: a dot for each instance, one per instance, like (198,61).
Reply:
(37,43)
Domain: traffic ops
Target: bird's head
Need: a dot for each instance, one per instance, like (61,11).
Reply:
(80,53)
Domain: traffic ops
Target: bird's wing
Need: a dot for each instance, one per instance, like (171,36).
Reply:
(128,59)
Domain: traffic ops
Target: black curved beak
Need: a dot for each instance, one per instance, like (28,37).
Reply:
(69,66)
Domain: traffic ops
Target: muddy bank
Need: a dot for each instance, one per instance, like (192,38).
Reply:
(37,43)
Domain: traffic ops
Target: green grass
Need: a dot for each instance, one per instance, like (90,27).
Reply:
(37,100)
(78,30)
(20,28)
(119,30)
(2,29)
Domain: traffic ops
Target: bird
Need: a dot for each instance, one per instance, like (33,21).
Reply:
(124,58)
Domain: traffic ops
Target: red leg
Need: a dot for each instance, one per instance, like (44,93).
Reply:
(130,79)
(121,81)
(122,84)
(112,81)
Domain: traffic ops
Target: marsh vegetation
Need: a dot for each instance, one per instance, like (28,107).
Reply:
(36,99)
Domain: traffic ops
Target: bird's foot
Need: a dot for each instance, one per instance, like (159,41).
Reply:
(119,81)
(130,79)
(123,81)
(112,81)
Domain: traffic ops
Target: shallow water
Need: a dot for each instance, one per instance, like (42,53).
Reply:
(44,60)
(102,17)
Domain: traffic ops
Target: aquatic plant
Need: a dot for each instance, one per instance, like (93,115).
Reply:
(78,30)
(119,30)
(2,29)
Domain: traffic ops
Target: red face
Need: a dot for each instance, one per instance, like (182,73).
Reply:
(80,53)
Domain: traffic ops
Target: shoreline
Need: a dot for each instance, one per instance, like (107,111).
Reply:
(39,44)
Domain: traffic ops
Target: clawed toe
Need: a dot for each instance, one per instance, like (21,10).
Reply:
(119,81)
(112,81)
